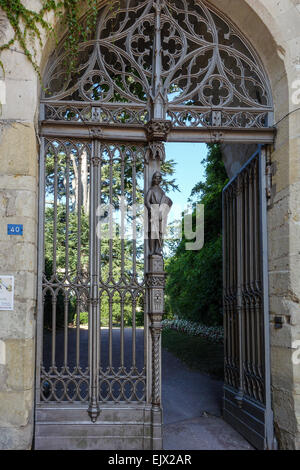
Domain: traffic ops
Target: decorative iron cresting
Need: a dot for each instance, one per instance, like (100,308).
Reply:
(181,54)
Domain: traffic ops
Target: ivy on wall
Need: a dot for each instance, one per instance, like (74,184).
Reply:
(27,25)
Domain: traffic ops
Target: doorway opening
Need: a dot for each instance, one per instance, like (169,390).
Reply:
(205,282)
(142,79)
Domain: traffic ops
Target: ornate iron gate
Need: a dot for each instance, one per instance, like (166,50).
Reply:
(152,71)
(247,394)
(90,272)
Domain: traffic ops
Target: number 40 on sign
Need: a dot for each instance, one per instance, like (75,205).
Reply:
(14,229)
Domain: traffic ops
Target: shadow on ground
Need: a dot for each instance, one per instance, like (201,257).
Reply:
(192,406)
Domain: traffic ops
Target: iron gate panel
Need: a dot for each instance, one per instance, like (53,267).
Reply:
(246,312)
(91,265)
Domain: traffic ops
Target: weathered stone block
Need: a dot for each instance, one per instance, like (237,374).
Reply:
(16,438)
(15,408)
(18,145)
(19,323)
(281,367)
(20,357)
(19,256)
(280,338)
(283,406)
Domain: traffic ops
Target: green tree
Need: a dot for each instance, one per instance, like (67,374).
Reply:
(194,283)
(63,235)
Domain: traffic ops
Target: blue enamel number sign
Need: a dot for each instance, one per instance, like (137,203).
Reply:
(14,229)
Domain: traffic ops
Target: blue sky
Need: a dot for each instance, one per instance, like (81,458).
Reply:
(189,171)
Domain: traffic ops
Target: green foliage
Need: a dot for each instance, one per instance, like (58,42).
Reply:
(27,25)
(61,265)
(61,238)
(60,303)
(62,186)
(197,352)
(209,192)
(194,283)
(83,318)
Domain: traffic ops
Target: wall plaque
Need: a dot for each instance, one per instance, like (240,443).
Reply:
(6,292)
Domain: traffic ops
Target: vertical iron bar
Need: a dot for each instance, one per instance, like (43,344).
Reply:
(98,241)
(55,213)
(122,234)
(245,256)
(111,163)
(224,267)
(257,273)
(93,409)
(239,224)
(147,338)
(79,266)
(251,287)
(134,214)
(54,299)
(41,261)
(233,313)
(122,294)
(78,332)
(111,270)
(236,354)
(96,296)
(122,331)
(67,274)
(67,177)
(110,348)
(133,333)
(158,111)
(66,312)
(248,311)
(54,304)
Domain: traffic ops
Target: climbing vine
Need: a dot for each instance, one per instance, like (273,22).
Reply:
(27,25)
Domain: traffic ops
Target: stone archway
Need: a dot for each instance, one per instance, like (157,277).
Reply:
(143,78)
(272,30)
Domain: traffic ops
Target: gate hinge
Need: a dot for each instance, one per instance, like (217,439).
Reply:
(268,176)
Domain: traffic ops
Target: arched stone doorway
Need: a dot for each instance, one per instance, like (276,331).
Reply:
(145,76)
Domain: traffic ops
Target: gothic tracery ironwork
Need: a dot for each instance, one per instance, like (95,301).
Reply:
(179,60)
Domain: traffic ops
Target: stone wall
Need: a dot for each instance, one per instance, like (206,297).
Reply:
(18,204)
(273,27)
(18,191)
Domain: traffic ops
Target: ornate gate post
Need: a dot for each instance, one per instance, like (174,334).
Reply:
(155,199)
(155,288)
